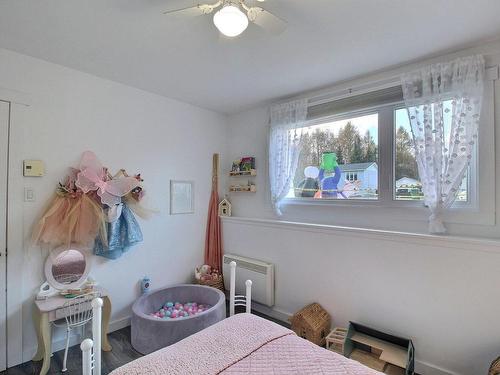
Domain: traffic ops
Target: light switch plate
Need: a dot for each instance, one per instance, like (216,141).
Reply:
(33,168)
(29,195)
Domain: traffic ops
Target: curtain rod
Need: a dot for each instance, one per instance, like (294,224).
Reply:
(321,96)
(315,97)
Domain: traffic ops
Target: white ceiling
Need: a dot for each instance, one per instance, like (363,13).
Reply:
(327,41)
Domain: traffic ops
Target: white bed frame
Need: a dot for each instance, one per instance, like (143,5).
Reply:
(239,300)
(91,348)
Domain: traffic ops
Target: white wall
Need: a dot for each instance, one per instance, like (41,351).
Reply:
(163,139)
(442,295)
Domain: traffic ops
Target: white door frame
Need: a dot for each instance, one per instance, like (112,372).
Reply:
(4,160)
(19,109)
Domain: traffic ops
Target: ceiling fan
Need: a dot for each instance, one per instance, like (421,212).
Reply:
(234,15)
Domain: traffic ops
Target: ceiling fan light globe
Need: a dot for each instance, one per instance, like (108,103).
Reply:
(230,21)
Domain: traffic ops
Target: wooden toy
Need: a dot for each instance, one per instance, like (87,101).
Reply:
(380,351)
(312,323)
(335,340)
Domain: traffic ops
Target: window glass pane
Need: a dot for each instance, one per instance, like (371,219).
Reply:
(407,184)
(339,160)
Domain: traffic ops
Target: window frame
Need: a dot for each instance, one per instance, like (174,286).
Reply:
(386,160)
(347,202)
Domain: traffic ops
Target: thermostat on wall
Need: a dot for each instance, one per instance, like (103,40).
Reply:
(33,168)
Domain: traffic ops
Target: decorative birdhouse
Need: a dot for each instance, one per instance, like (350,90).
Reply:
(312,323)
(225,207)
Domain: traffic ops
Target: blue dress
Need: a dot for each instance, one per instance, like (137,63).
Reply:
(123,233)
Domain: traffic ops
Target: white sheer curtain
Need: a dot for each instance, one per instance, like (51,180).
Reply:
(285,136)
(444,105)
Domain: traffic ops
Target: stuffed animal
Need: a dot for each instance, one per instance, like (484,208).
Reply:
(329,183)
(203,272)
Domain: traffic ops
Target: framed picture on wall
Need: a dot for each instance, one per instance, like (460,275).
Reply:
(181,197)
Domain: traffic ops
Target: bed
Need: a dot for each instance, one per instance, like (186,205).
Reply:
(244,344)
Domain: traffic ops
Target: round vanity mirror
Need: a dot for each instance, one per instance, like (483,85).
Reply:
(66,268)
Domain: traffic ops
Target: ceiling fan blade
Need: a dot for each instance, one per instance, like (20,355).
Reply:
(196,10)
(189,11)
(267,20)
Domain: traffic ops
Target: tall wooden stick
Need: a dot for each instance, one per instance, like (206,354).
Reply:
(213,239)
(215,172)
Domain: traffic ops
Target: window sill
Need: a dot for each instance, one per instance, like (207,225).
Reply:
(404,210)
(456,242)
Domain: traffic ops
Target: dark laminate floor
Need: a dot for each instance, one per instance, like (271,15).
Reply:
(121,354)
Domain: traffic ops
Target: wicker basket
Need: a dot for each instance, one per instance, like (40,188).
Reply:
(312,323)
(218,283)
(495,367)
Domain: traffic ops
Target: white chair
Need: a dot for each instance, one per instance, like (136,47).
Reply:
(239,300)
(77,312)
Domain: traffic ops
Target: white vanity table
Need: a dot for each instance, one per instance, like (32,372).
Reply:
(64,269)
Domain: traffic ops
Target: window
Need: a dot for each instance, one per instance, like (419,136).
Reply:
(407,184)
(339,160)
(367,139)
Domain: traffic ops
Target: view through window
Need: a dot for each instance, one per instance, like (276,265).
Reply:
(407,185)
(339,160)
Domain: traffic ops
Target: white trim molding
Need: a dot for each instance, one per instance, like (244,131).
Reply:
(455,242)
(15,233)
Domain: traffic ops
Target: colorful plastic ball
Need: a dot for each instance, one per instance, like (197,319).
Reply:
(178,310)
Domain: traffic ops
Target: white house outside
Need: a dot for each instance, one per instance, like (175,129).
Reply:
(365,173)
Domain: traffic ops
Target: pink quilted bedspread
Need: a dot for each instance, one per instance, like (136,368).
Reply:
(244,344)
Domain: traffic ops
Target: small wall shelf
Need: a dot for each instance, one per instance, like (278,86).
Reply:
(243,189)
(251,172)
(243,167)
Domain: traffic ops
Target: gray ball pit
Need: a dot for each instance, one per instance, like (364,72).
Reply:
(150,333)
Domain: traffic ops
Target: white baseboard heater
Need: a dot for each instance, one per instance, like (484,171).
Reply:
(261,273)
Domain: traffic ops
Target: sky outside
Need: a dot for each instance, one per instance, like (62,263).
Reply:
(403,120)
(362,124)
